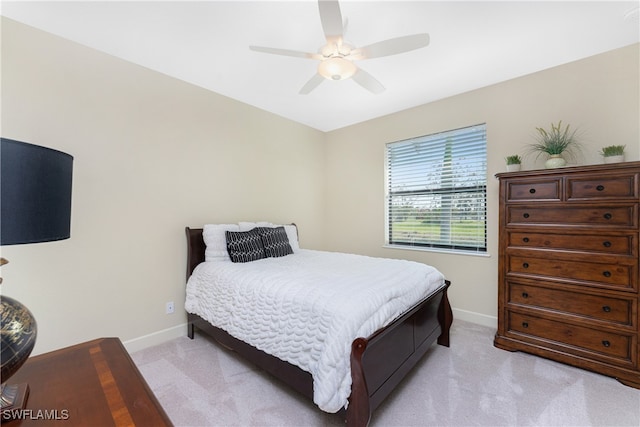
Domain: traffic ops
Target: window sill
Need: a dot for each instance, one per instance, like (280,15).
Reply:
(437,250)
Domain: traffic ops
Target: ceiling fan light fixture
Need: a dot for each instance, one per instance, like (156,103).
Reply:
(337,57)
(337,68)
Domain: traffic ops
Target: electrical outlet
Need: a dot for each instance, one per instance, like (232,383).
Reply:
(169,308)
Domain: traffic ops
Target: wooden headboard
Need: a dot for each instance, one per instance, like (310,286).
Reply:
(195,249)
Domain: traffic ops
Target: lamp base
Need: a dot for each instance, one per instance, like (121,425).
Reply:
(18,338)
(14,397)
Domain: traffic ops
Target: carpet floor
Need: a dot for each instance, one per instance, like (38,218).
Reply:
(472,383)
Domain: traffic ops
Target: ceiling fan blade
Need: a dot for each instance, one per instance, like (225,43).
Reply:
(368,82)
(331,19)
(286,52)
(311,84)
(391,46)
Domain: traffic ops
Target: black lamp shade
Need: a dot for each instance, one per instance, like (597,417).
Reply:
(35,193)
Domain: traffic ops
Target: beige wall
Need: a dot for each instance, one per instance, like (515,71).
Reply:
(152,155)
(599,95)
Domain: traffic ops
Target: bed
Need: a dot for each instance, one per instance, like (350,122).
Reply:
(376,362)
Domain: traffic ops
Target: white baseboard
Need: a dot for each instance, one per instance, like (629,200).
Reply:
(473,317)
(155,338)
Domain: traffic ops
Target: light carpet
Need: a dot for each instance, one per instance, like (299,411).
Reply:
(472,383)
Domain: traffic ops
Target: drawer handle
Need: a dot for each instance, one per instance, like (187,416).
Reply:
(525,264)
(532,191)
(525,295)
(526,240)
(606,309)
(606,273)
(526,215)
(607,216)
(525,324)
(600,187)
(606,343)
(606,244)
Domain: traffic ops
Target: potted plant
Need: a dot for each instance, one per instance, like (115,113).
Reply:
(557,143)
(513,163)
(613,153)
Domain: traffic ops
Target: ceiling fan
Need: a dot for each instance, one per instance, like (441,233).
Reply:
(336,56)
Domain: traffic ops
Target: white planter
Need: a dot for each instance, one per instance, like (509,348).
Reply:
(614,159)
(555,161)
(514,167)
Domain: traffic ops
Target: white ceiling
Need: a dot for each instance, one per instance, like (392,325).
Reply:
(473,44)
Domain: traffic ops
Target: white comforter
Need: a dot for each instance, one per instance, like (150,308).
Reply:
(308,307)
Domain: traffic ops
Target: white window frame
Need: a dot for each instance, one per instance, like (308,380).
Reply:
(406,191)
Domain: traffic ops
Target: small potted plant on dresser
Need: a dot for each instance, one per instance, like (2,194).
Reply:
(557,143)
(513,163)
(613,153)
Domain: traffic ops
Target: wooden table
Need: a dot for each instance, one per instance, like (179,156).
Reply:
(90,384)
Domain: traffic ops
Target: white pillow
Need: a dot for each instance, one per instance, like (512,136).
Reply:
(215,240)
(246,226)
(292,235)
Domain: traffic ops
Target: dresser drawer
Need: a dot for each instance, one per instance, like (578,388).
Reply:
(597,307)
(605,187)
(538,190)
(606,343)
(619,244)
(613,275)
(612,216)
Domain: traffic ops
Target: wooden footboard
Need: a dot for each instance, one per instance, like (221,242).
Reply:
(378,363)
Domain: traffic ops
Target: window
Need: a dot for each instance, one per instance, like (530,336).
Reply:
(437,191)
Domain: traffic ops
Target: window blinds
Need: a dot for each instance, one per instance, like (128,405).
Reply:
(436,190)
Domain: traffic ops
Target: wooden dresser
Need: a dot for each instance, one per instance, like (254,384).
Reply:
(568,267)
(90,384)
